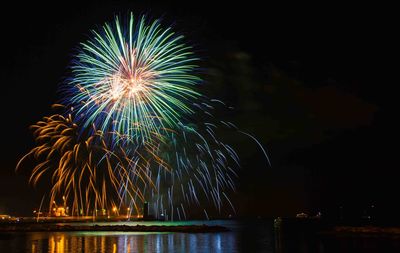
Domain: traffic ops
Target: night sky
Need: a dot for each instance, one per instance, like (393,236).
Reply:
(309,82)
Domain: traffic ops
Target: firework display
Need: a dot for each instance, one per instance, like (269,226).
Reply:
(135,128)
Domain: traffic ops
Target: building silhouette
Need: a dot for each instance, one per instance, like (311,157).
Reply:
(146,210)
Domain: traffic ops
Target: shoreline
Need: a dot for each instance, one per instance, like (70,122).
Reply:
(110,228)
(363,231)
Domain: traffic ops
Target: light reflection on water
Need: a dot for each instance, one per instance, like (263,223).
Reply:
(130,242)
(239,239)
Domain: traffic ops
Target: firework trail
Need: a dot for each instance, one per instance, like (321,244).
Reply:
(203,171)
(85,171)
(137,128)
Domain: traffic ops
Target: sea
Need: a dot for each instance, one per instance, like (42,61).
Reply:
(243,236)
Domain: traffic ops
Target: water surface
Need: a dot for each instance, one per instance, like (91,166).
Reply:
(242,237)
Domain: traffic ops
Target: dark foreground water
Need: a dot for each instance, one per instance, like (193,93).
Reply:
(245,236)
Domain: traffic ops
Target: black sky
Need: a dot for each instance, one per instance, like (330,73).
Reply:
(308,81)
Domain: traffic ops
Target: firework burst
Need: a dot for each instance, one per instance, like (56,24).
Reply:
(133,79)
